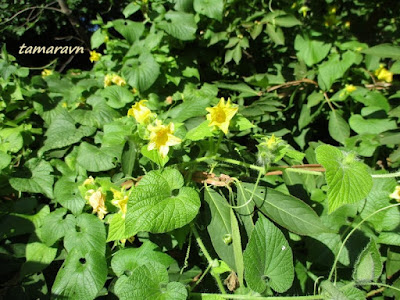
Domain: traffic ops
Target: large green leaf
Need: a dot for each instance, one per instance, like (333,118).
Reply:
(62,132)
(118,96)
(56,225)
(180,25)
(38,256)
(149,281)
(368,266)
(378,198)
(40,180)
(219,228)
(11,139)
(310,51)
(268,259)
(89,234)
(160,203)
(348,179)
(384,50)
(371,126)
(338,128)
(286,210)
(130,30)
(81,276)
(94,159)
(210,8)
(141,72)
(127,260)
(66,193)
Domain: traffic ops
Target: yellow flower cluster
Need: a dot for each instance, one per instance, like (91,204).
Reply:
(94,56)
(120,200)
(161,136)
(97,200)
(396,194)
(383,74)
(47,72)
(221,114)
(113,78)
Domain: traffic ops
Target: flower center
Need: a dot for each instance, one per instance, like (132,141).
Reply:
(220,116)
(162,137)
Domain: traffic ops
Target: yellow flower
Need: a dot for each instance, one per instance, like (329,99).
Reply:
(161,137)
(271,142)
(347,24)
(107,80)
(94,56)
(383,74)
(88,181)
(221,114)
(47,72)
(304,10)
(120,200)
(97,200)
(64,104)
(118,80)
(350,88)
(396,194)
(140,112)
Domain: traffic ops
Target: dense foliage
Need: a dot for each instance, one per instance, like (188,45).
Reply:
(215,150)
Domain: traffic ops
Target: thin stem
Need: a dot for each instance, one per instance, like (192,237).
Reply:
(351,232)
(250,297)
(239,163)
(201,277)
(390,175)
(208,257)
(382,285)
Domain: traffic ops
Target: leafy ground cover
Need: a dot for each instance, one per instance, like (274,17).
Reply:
(215,150)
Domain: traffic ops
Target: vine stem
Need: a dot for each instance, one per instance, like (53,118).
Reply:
(250,297)
(382,285)
(389,175)
(351,232)
(211,262)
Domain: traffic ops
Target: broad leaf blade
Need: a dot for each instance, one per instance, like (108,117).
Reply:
(268,259)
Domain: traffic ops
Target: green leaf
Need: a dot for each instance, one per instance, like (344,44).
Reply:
(88,235)
(338,128)
(81,276)
(334,68)
(237,247)
(130,30)
(286,21)
(371,126)
(160,203)
(200,132)
(117,96)
(379,198)
(368,266)
(116,230)
(5,160)
(62,132)
(286,210)
(154,156)
(210,8)
(97,39)
(220,228)
(40,180)
(56,225)
(389,238)
(141,72)
(268,259)
(180,25)
(310,51)
(130,9)
(11,139)
(66,193)
(384,51)
(348,179)
(149,281)
(276,34)
(94,159)
(38,257)
(128,259)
